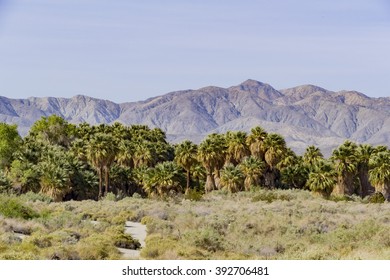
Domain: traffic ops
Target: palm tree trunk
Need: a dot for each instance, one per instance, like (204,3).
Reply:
(386,191)
(106,179)
(210,183)
(100,171)
(365,187)
(188,181)
(270,178)
(217,179)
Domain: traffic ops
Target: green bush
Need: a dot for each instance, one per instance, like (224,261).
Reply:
(376,198)
(97,247)
(270,196)
(33,197)
(193,195)
(5,184)
(12,207)
(110,197)
(208,239)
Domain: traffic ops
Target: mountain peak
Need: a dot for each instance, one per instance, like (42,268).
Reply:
(264,91)
(251,83)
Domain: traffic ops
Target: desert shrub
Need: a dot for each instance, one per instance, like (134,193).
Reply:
(193,195)
(270,196)
(376,198)
(383,238)
(61,253)
(9,238)
(123,240)
(110,197)
(157,246)
(13,207)
(18,226)
(122,217)
(337,198)
(97,247)
(65,236)
(41,240)
(136,195)
(207,239)
(147,220)
(5,184)
(33,197)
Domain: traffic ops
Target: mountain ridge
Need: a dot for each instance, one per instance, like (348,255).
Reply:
(304,115)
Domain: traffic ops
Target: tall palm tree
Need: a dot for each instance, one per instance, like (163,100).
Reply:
(232,178)
(220,149)
(380,172)
(211,155)
(252,167)
(255,141)
(322,178)
(99,154)
(237,148)
(364,153)
(198,174)
(345,161)
(185,156)
(275,150)
(112,150)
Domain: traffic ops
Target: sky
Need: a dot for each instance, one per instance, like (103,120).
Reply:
(131,50)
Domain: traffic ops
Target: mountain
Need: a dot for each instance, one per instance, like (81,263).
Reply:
(304,115)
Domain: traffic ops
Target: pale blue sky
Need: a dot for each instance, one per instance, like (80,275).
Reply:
(125,50)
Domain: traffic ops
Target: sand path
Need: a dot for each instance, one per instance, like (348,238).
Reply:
(137,231)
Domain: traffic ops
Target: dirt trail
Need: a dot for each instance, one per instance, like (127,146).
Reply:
(137,231)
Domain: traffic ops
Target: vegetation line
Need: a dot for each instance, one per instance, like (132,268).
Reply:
(65,162)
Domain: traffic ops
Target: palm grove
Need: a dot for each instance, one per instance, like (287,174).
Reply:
(66,161)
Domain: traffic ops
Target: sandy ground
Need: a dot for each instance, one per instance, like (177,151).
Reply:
(137,231)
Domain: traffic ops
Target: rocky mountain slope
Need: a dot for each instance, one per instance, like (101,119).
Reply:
(303,115)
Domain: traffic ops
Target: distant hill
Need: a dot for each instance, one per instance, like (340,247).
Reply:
(304,115)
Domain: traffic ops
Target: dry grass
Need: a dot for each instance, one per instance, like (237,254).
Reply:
(280,224)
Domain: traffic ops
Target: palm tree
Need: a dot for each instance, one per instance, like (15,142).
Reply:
(198,174)
(237,148)
(295,176)
(55,173)
(211,155)
(275,150)
(380,172)
(112,150)
(312,155)
(252,167)
(125,153)
(185,156)
(255,141)
(364,153)
(232,178)
(344,158)
(288,159)
(163,178)
(322,178)
(143,154)
(219,144)
(100,153)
